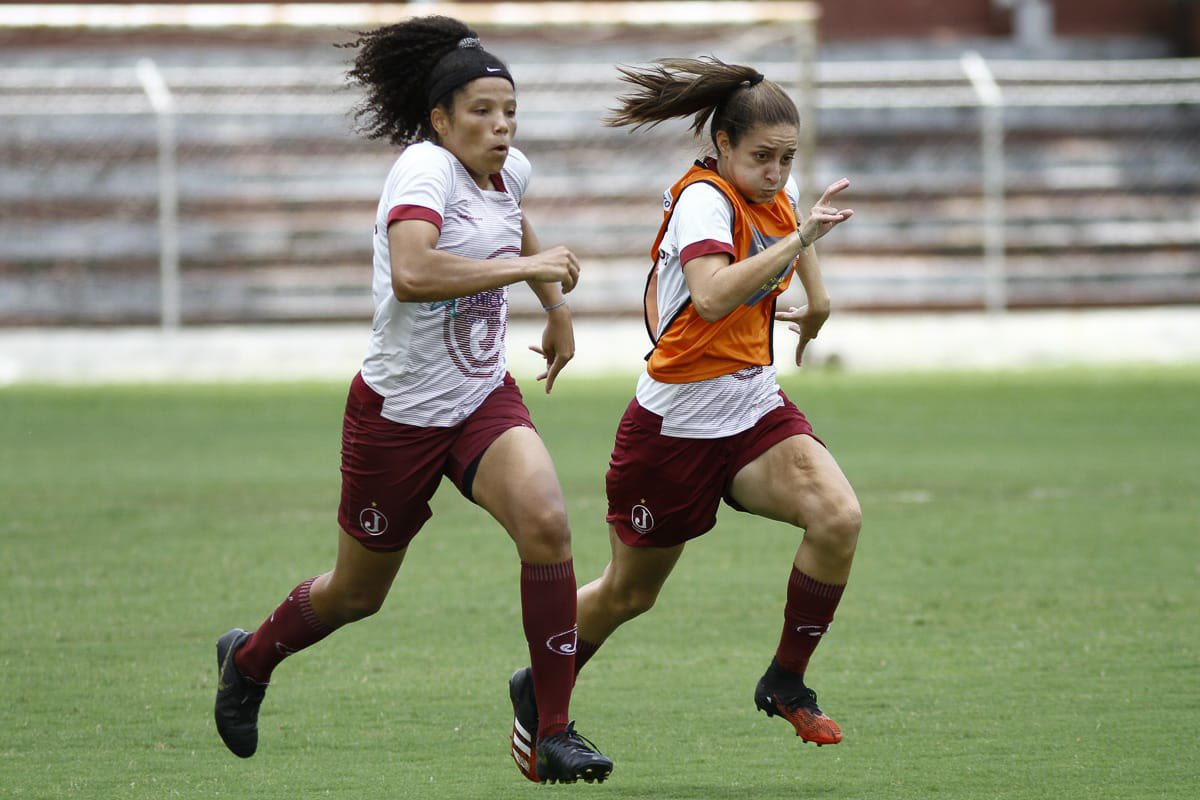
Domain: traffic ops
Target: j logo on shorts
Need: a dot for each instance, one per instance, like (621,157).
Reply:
(641,518)
(372,521)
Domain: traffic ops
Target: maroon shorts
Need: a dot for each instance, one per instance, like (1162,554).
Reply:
(389,470)
(665,490)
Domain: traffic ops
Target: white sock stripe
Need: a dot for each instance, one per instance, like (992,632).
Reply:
(520,745)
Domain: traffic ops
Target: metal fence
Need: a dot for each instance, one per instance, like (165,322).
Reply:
(1016,183)
(201,183)
(201,186)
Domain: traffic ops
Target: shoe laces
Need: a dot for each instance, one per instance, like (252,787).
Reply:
(802,698)
(574,740)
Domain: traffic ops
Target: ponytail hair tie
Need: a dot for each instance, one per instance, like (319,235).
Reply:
(755,80)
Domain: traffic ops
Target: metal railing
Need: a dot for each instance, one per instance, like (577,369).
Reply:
(563,101)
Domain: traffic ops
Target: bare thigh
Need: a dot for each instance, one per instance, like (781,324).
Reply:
(516,484)
(799,482)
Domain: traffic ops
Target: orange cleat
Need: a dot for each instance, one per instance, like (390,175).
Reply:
(798,705)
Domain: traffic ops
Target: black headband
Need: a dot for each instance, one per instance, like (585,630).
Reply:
(462,65)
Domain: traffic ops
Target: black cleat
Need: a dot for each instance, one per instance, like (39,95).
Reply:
(238,698)
(567,757)
(525,722)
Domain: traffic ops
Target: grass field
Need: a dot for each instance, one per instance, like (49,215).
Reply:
(1023,620)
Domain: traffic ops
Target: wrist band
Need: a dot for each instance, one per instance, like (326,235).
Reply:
(803,244)
(553,306)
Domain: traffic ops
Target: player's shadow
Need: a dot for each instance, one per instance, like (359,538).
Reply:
(767,788)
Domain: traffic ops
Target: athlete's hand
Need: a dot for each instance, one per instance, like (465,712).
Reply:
(805,321)
(825,215)
(558,344)
(556,265)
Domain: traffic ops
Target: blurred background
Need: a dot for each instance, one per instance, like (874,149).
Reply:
(189,167)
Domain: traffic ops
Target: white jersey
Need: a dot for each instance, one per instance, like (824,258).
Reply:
(435,363)
(702,224)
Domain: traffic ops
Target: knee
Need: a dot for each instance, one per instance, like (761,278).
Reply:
(846,520)
(627,603)
(545,535)
(355,605)
(836,531)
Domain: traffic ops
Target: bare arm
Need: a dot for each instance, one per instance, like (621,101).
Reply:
(806,321)
(421,272)
(548,294)
(808,270)
(718,287)
(558,338)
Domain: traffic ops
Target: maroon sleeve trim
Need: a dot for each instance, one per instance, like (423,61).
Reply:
(414,212)
(498,182)
(704,247)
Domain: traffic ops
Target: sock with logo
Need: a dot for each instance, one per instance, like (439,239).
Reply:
(548,615)
(807,615)
(292,627)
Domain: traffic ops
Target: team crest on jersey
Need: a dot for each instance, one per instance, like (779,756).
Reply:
(474,332)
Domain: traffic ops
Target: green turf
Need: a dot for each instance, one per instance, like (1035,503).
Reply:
(1022,621)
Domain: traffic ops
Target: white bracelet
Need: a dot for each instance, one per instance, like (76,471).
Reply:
(554,305)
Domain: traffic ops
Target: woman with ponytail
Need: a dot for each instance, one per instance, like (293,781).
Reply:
(708,420)
(433,397)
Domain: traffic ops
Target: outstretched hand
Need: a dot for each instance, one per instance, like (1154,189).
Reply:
(825,215)
(558,345)
(806,322)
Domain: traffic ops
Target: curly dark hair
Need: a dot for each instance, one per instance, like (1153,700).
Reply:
(393,65)
(735,98)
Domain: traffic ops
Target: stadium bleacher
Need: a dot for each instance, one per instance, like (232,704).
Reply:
(276,194)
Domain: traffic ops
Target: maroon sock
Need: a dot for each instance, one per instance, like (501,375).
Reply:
(548,614)
(809,611)
(292,627)
(584,652)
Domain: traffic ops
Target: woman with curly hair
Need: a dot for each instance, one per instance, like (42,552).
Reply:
(433,397)
(708,421)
